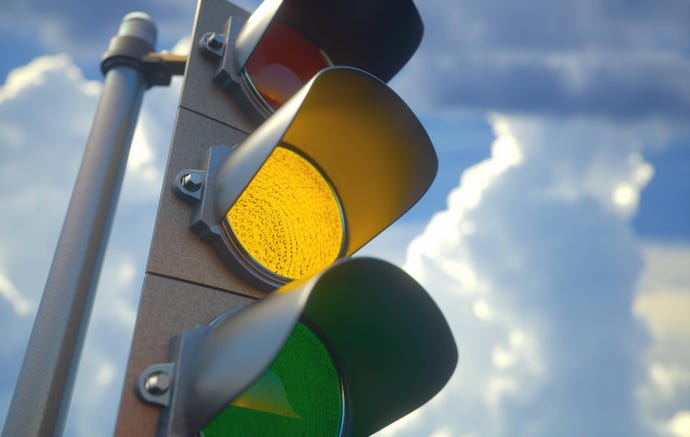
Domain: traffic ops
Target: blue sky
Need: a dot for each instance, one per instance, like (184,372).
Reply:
(556,237)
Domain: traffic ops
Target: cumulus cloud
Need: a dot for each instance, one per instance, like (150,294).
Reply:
(20,305)
(679,425)
(663,302)
(625,60)
(535,264)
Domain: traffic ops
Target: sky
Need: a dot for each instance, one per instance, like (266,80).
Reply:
(555,238)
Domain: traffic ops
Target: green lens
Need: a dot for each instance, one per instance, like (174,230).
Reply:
(300,394)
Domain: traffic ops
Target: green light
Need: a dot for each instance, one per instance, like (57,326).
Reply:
(300,394)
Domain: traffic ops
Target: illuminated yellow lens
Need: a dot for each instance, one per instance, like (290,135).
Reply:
(288,219)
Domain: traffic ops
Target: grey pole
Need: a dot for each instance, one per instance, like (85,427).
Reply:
(44,388)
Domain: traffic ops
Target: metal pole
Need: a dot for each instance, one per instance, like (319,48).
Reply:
(44,388)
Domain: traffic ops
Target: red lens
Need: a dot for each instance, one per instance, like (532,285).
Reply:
(282,62)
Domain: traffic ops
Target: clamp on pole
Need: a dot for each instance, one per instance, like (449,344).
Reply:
(137,52)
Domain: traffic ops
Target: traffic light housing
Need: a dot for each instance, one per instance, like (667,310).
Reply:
(284,43)
(389,343)
(333,167)
(368,159)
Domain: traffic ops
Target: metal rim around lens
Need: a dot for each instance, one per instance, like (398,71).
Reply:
(289,370)
(252,91)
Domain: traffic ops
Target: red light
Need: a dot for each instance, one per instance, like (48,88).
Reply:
(281,63)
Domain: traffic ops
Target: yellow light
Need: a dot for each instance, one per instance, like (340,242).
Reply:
(288,219)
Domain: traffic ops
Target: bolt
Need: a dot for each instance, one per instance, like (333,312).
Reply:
(157,383)
(215,40)
(192,181)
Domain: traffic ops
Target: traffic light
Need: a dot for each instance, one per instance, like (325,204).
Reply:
(290,153)
(284,43)
(351,349)
(327,172)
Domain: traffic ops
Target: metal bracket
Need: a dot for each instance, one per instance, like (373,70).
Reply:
(226,76)
(161,67)
(134,52)
(218,48)
(206,221)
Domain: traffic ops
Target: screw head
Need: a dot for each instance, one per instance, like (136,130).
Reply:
(192,181)
(157,383)
(215,40)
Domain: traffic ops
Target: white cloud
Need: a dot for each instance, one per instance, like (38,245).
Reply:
(539,295)
(663,303)
(679,425)
(105,374)
(445,432)
(505,153)
(482,310)
(37,73)
(669,380)
(20,305)
(503,358)
(141,156)
(498,387)
(183,46)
